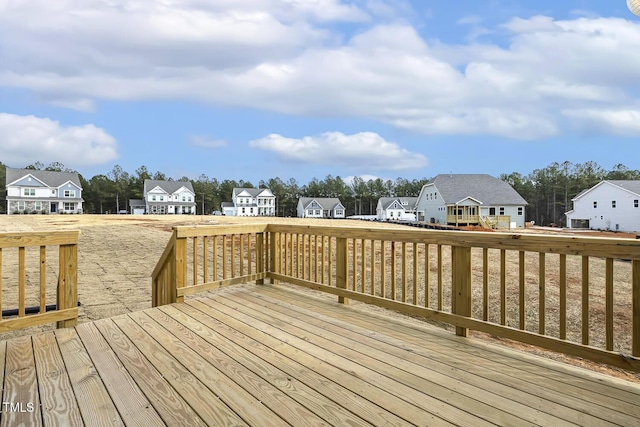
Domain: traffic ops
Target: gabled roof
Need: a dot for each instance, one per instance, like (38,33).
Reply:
(406,202)
(326,203)
(168,186)
(488,190)
(226,205)
(50,178)
(632,186)
(253,192)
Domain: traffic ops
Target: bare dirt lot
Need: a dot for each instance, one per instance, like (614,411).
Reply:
(117,254)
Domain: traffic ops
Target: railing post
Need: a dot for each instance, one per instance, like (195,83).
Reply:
(180,268)
(341,267)
(68,282)
(461,283)
(260,254)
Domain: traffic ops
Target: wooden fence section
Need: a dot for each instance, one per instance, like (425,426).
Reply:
(199,259)
(575,295)
(14,251)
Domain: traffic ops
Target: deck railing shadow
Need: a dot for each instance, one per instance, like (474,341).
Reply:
(28,258)
(574,295)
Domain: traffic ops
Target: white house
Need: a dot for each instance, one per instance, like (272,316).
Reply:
(251,202)
(608,205)
(320,207)
(43,191)
(169,197)
(470,199)
(396,208)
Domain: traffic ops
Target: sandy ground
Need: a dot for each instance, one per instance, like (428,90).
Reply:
(117,254)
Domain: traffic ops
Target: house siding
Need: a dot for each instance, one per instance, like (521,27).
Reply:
(624,217)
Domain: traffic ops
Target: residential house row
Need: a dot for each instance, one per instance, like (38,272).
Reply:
(47,192)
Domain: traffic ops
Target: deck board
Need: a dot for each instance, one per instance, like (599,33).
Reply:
(269,355)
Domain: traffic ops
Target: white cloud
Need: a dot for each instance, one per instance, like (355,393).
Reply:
(206,142)
(361,151)
(27,139)
(288,57)
(623,122)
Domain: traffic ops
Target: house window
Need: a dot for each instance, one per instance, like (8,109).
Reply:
(595,204)
(38,206)
(184,198)
(153,198)
(189,198)
(29,192)
(502,210)
(69,193)
(635,203)
(53,191)
(520,210)
(20,206)
(243,210)
(613,203)
(69,206)
(162,198)
(338,212)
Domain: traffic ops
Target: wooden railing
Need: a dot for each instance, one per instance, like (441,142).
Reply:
(28,280)
(574,295)
(198,259)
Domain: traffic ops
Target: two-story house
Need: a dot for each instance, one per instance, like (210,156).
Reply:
(608,205)
(396,208)
(169,197)
(320,207)
(251,202)
(470,199)
(30,191)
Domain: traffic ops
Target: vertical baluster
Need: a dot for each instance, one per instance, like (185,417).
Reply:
(215,258)
(415,274)
(354,262)
(373,267)
(503,287)
(195,260)
(224,256)
(304,256)
(404,272)
(21,281)
(585,300)
(522,309)
(563,296)
(330,260)
(542,296)
(609,303)
(363,275)
(315,259)
(323,264)
(485,284)
(427,284)
(393,271)
(249,252)
(241,254)
(205,258)
(233,255)
(440,292)
(383,265)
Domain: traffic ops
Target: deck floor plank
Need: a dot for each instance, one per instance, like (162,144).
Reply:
(414,376)
(209,407)
(210,370)
(275,355)
(243,367)
(566,385)
(59,405)
(330,395)
(355,384)
(331,355)
(131,403)
(173,409)
(93,399)
(496,396)
(20,385)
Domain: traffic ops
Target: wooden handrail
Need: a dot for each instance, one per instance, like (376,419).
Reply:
(66,312)
(516,286)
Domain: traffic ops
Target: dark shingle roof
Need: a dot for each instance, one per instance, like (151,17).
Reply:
(52,179)
(168,186)
(487,189)
(328,203)
(630,185)
(407,202)
(254,192)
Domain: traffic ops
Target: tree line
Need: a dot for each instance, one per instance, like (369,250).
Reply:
(548,191)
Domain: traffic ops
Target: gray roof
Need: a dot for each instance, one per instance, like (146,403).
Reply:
(488,190)
(408,202)
(254,192)
(52,179)
(226,205)
(630,185)
(136,202)
(327,203)
(168,186)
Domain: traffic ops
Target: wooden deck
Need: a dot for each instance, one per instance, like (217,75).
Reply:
(266,355)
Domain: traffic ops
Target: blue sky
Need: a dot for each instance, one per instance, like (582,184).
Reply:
(254,89)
